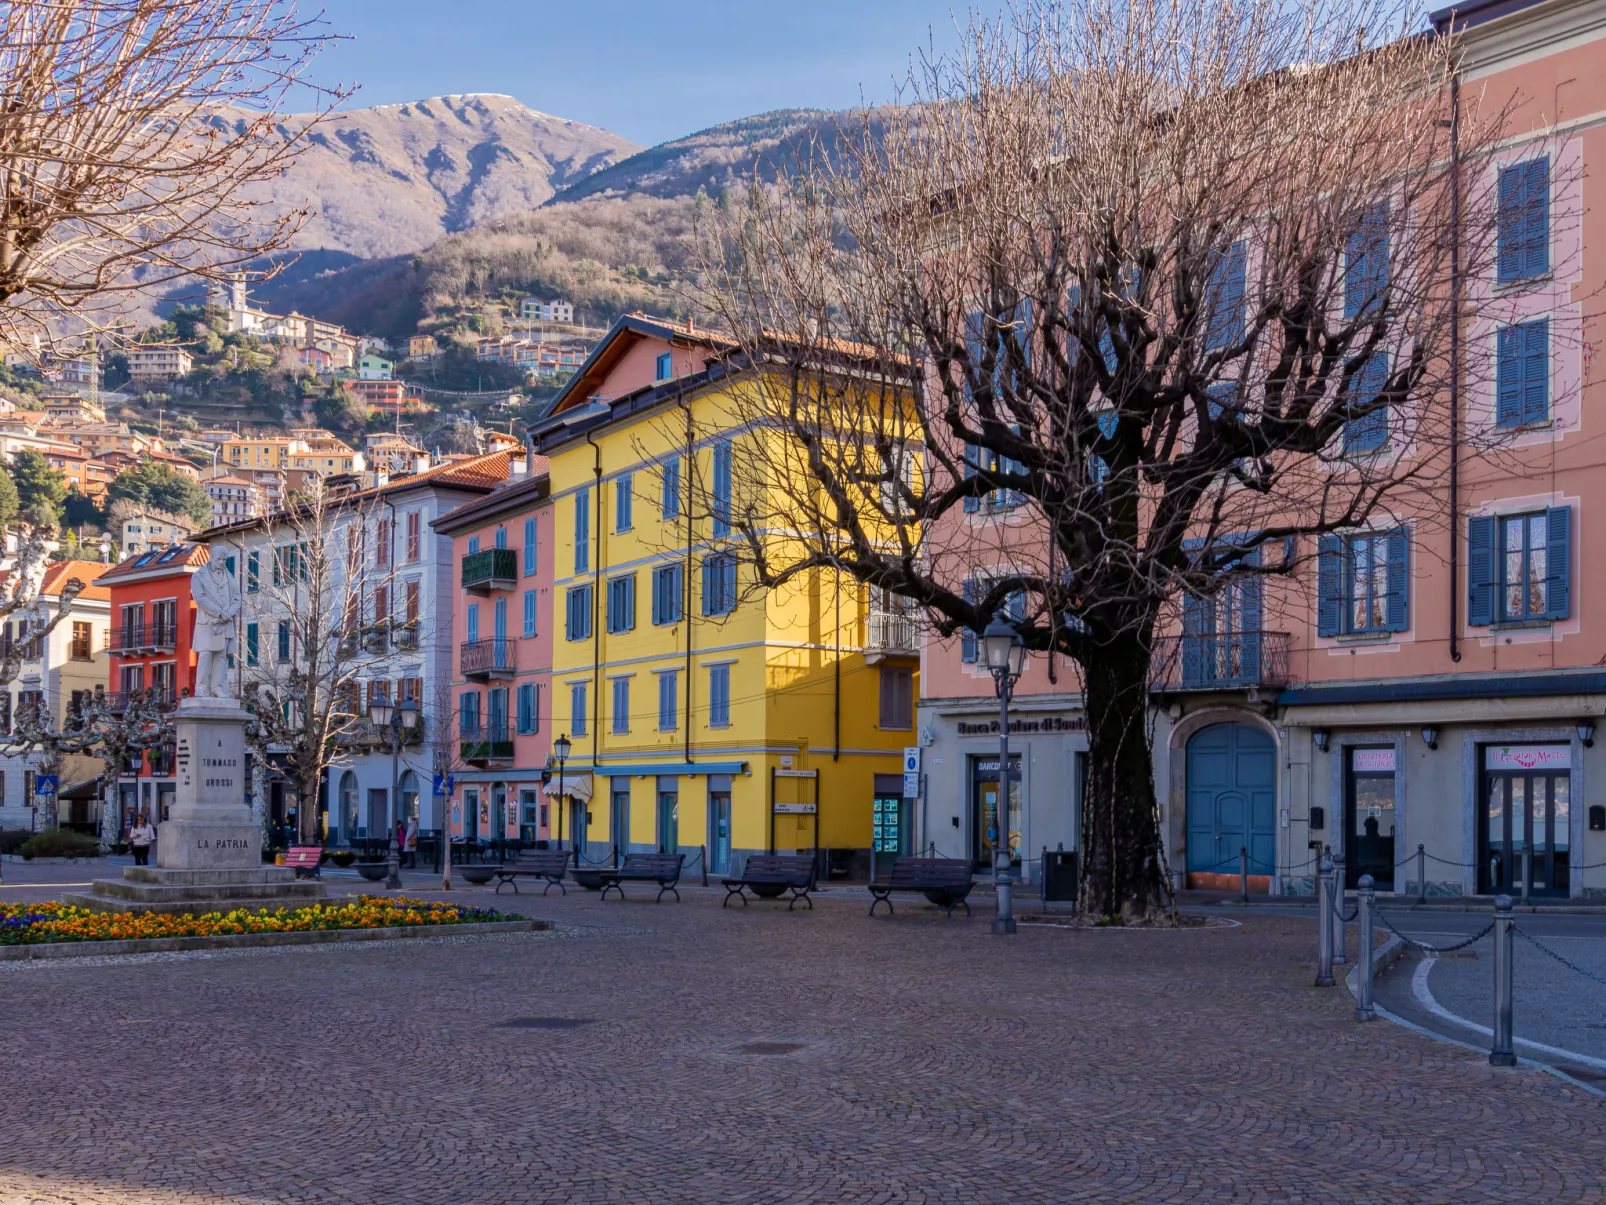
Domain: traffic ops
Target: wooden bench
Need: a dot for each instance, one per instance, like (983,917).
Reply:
(304,860)
(548,864)
(944,881)
(663,869)
(771,876)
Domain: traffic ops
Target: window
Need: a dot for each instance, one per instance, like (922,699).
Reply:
(529,546)
(383,538)
(253,644)
(164,680)
(621,502)
(622,603)
(468,713)
(473,545)
(529,613)
(669,489)
(528,709)
(279,555)
(473,619)
(897,697)
(253,572)
(577,708)
(1369,431)
(582,530)
(499,539)
(621,706)
(1366,264)
(1224,298)
(284,640)
(665,368)
(577,624)
(83,642)
(967,637)
(719,584)
(666,594)
(1364,583)
(496,713)
(1522,374)
(381,604)
(722,488)
(719,696)
(1524,221)
(412,602)
(668,705)
(415,535)
(1519,566)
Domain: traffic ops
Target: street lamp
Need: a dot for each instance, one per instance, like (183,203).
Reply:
(560,754)
(396,721)
(1004,654)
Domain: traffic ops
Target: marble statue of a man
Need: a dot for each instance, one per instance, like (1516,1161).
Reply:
(217,604)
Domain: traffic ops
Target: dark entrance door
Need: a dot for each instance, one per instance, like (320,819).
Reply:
(1232,799)
(984,811)
(1526,810)
(1369,812)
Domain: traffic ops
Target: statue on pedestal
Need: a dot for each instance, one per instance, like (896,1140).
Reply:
(217,605)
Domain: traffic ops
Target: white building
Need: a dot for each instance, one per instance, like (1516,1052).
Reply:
(149,529)
(234,499)
(533,310)
(159,363)
(374,368)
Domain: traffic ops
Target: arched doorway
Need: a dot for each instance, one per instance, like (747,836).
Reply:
(348,805)
(1232,799)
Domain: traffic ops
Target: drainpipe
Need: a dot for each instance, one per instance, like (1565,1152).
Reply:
(1455,361)
(836,701)
(687,469)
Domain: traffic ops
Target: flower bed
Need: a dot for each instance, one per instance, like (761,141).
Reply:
(32,924)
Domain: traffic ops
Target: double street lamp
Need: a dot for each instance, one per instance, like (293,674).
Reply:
(397,721)
(1004,654)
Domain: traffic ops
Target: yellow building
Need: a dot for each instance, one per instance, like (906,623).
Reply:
(264,453)
(702,713)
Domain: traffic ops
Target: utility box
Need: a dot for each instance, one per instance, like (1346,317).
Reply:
(1059,875)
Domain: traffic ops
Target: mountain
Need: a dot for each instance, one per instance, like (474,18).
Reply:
(397,178)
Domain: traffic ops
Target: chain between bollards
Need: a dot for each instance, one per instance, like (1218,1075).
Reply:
(1243,873)
(1421,873)
(1364,1010)
(1500,1053)
(1324,926)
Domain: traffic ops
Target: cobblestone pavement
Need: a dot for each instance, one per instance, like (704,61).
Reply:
(759,1056)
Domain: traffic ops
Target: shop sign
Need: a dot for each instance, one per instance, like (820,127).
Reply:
(1046,723)
(1373,761)
(1528,757)
(795,809)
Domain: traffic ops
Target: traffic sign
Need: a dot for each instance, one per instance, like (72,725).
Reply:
(443,787)
(46,784)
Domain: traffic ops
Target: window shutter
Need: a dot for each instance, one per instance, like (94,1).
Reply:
(1329,586)
(722,487)
(967,639)
(1536,207)
(530,547)
(1481,565)
(1509,376)
(1558,561)
(1536,371)
(1511,259)
(709,583)
(972,460)
(630,603)
(1396,613)
(1198,649)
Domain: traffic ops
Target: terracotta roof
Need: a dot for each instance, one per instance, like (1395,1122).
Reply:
(155,558)
(57,575)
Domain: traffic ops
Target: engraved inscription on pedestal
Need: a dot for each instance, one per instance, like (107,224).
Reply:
(209,826)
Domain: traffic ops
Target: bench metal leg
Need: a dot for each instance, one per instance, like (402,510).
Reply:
(551,883)
(799,895)
(501,883)
(738,893)
(882,898)
(670,887)
(607,887)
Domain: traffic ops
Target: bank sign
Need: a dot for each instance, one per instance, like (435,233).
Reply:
(1050,723)
(1528,757)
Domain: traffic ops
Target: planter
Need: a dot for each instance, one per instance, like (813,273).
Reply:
(478,875)
(591,880)
(373,871)
(342,858)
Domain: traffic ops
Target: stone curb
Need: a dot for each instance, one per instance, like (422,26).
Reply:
(1385,956)
(234,941)
(98,860)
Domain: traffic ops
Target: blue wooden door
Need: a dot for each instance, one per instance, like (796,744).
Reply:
(1232,799)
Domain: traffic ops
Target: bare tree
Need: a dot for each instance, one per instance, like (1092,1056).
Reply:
(1120,306)
(315,644)
(131,134)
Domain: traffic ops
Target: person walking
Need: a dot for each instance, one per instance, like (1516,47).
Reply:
(401,843)
(412,841)
(141,837)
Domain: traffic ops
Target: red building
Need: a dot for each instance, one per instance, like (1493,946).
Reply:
(153,620)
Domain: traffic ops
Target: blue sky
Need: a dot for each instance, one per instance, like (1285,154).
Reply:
(648,71)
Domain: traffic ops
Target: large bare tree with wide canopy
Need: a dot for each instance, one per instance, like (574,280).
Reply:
(1180,286)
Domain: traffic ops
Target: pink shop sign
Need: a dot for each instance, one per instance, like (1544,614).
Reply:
(1373,760)
(1528,757)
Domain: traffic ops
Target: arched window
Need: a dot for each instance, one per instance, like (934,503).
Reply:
(348,805)
(409,796)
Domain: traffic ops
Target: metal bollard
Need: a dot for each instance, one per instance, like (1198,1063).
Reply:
(1363,973)
(1243,873)
(1494,872)
(1421,874)
(1501,1054)
(1339,954)
(1324,930)
(1527,872)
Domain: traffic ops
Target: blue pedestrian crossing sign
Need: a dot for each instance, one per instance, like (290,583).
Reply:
(46,784)
(443,786)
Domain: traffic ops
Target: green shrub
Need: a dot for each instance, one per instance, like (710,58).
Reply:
(59,843)
(343,857)
(11,839)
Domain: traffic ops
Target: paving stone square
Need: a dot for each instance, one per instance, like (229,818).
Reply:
(685,1053)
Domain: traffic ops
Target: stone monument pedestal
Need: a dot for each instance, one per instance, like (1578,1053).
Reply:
(208,850)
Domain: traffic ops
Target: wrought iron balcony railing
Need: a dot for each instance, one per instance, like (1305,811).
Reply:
(144,638)
(118,701)
(487,744)
(891,633)
(1246,661)
(494,658)
(490,569)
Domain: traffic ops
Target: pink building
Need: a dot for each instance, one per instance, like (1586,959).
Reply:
(1432,683)
(502,663)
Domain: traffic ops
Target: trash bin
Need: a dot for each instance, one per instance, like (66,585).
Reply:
(1059,875)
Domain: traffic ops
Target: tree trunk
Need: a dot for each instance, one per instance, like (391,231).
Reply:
(1124,874)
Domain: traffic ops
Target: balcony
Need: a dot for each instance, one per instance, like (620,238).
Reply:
(119,701)
(490,569)
(488,746)
(405,636)
(145,638)
(1229,661)
(888,634)
(485,660)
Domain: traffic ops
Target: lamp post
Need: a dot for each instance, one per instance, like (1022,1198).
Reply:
(1004,653)
(396,721)
(560,754)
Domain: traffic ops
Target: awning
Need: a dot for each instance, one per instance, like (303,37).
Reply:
(88,788)
(578,786)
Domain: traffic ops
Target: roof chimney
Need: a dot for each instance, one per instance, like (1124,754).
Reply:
(691,327)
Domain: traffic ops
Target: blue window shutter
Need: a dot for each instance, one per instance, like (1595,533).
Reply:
(473,622)
(975,347)
(630,603)
(1397,611)
(1369,431)
(722,487)
(1536,371)
(1509,376)
(1536,235)
(972,460)
(1366,263)
(582,530)
(1510,261)
(1558,561)
(1225,298)
(1197,647)
(1329,586)
(967,639)
(529,612)
(708,585)
(500,618)
(529,545)
(1482,563)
